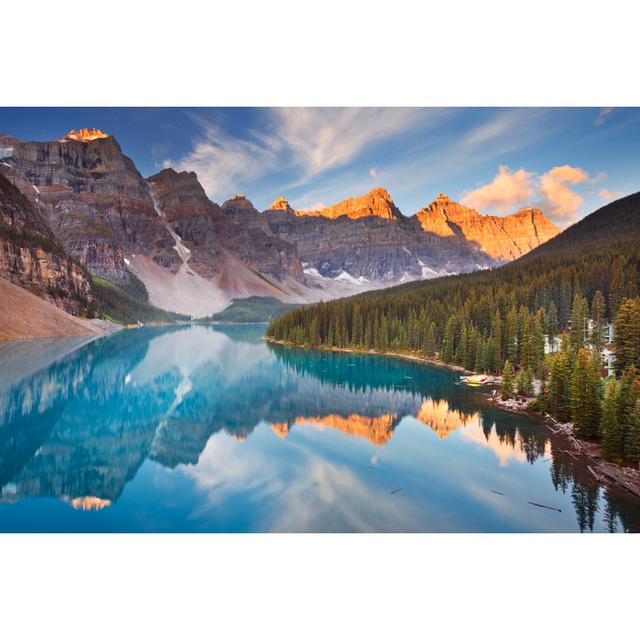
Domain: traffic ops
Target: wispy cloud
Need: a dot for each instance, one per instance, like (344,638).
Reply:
(310,141)
(223,162)
(324,138)
(602,116)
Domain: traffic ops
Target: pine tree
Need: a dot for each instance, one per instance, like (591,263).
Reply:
(559,398)
(448,341)
(524,382)
(628,396)
(632,440)
(626,335)
(552,326)
(496,336)
(598,312)
(512,335)
(577,333)
(616,289)
(585,396)
(507,388)
(537,344)
(610,427)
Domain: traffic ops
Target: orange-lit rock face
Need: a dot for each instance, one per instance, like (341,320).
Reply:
(437,415)
(89,503)
(502,238)
(281,204)
(376,203)
(377,430)
(85,135)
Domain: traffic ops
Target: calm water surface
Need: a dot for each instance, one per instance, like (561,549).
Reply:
(210,429)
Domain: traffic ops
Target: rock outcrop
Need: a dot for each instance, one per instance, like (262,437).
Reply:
(501,238)
(84,135)
(281,204)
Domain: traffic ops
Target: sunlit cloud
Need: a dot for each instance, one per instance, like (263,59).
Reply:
(607,194)
(559,200)
(552,192)
(508,190)
(602,116)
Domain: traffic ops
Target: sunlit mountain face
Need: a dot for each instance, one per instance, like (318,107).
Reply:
(192,428)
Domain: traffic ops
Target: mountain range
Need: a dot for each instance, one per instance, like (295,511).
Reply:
(77,208)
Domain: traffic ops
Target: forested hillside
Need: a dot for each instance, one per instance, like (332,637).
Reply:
(563,293)
(479,320)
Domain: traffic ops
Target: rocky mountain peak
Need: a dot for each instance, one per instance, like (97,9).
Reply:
(238,204)
(377,204)
(281,204)
(84,135)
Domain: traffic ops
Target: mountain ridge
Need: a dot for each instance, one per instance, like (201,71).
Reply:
(194,256)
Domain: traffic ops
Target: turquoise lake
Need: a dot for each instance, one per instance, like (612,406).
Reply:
(208,429)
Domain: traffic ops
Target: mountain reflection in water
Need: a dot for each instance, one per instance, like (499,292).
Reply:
(195,428)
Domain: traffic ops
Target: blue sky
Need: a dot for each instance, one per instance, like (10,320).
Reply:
(567,161)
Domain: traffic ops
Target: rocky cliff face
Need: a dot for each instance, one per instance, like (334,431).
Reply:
(501,238)
(94,199)
(381,248)
(217,236)
(31,258)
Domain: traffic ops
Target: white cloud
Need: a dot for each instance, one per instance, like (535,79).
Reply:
(309,140)
(223,162)
(373,172)
(602,116)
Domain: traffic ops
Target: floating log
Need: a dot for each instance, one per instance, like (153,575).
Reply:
(396,491)
(498,492)
(544,506)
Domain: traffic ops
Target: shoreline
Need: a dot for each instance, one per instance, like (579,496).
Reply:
(373,352)
(603,472)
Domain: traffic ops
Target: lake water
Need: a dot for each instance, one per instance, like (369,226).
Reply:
(198,428)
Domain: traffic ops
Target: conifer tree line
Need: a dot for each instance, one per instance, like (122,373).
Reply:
(499,321)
